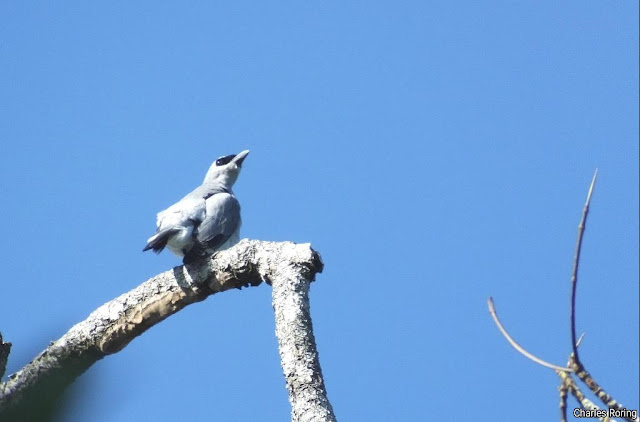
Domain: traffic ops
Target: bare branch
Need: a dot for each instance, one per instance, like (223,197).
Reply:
(604,397)
(5,349)
(298,353)
(113,325)
(563,401)
(574,365)
(569,384)
(516,346)
(576,263)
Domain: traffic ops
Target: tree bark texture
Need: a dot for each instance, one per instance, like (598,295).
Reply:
(108,329)
(298,353)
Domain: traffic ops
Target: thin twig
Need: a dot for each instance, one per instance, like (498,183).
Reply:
(602,395)
(569,384)
(494,315)
(576,263)
(563,402)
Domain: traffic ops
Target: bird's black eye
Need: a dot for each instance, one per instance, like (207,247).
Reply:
(224,160)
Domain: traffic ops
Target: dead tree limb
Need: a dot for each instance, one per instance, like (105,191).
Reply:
(5,348)
(298,353)
(113,325)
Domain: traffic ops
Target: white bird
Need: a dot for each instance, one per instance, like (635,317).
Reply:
(205,220)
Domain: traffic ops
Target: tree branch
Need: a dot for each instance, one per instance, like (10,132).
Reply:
(563,402)
(515,345)
(573,388)
(5,349)
(575,365)
(576,264)
(298,353)
(113,325)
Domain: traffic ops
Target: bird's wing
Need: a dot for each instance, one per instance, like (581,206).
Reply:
(189,210)
(221,220)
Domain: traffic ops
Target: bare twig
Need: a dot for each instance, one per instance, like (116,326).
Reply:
(604,397)
(570,385)
(563,401)
(516,346)
(576,263)
(574,361)
(574,365)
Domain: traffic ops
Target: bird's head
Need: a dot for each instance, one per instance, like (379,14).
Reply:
(225,170)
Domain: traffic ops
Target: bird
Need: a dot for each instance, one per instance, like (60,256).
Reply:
(207,219)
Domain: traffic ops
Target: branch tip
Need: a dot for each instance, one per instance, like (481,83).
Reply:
(576,264)
(515,345)
(591,187)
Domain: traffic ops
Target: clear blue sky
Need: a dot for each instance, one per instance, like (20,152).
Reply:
(435,153)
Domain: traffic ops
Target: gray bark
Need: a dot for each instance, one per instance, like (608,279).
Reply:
(289,267)
(298,353)
(5,348)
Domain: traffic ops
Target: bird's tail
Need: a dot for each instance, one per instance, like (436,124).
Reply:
(158,241)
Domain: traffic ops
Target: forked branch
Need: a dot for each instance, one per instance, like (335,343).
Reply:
(522,350)
(575,365)
(116,323)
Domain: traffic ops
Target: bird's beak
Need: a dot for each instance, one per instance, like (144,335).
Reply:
(238,159)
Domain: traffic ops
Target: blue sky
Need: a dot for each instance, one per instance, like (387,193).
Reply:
(435,153)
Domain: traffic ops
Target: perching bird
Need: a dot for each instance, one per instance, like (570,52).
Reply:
(207,219)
